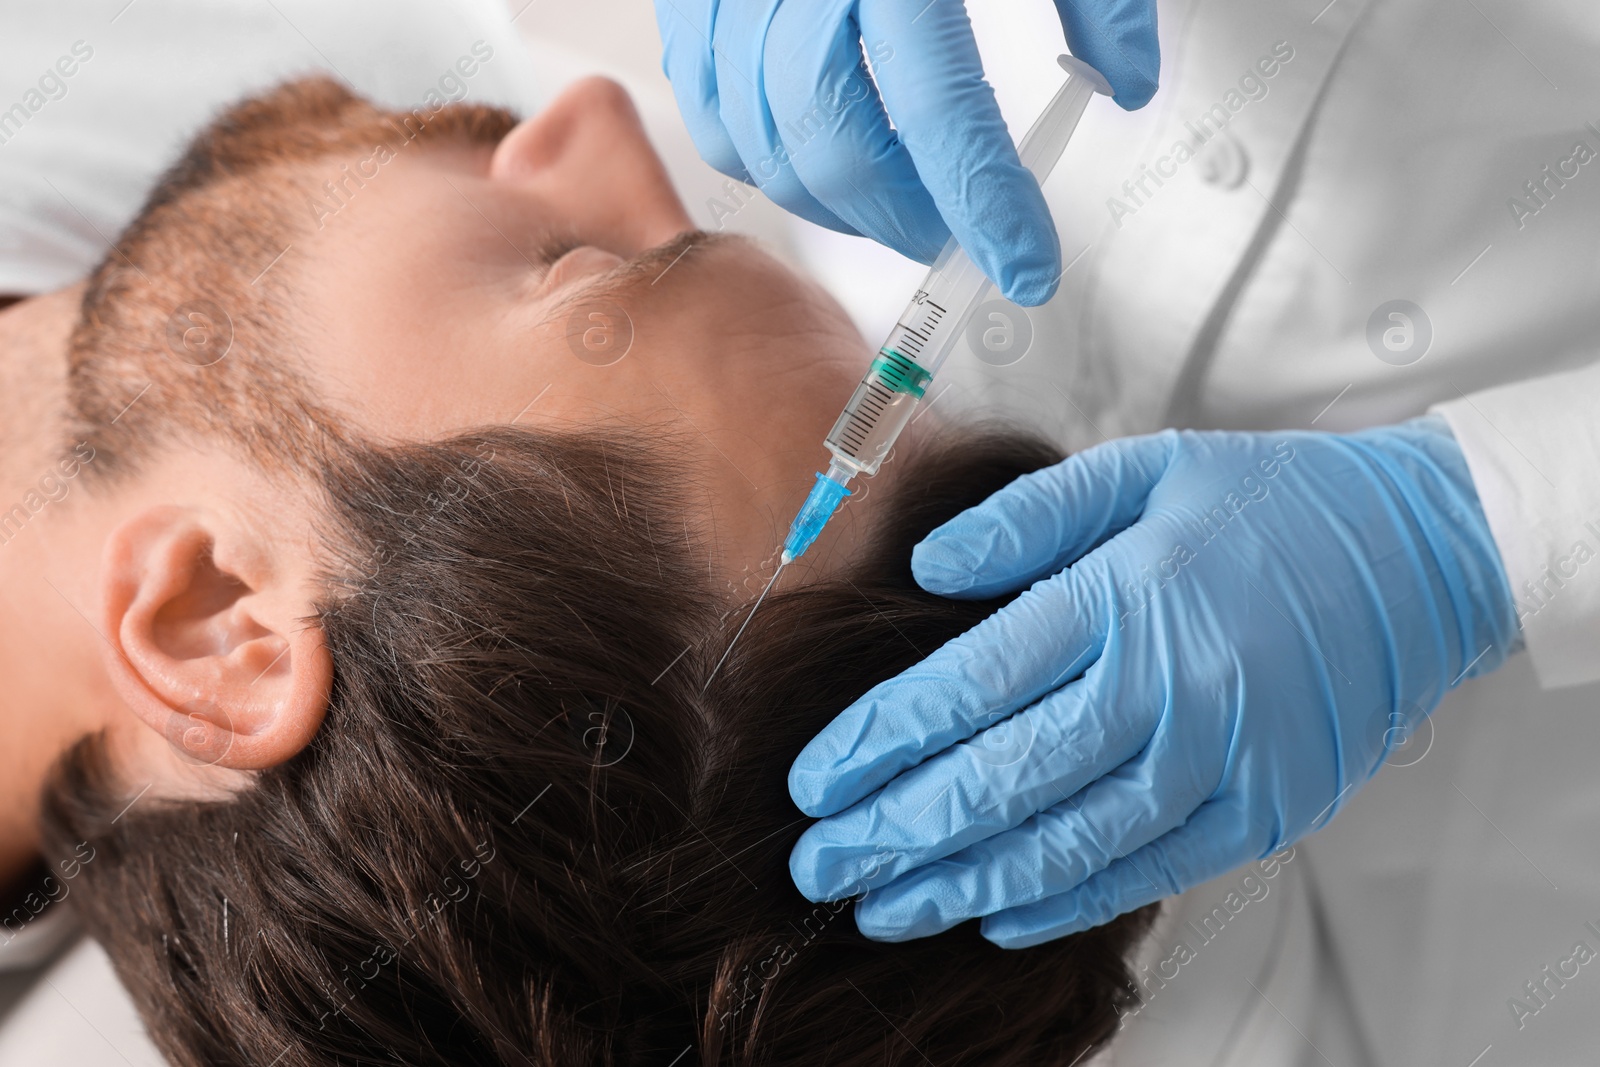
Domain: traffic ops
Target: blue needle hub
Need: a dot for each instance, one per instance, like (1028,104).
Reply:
(829,490)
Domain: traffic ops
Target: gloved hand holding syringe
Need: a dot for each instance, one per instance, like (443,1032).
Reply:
(895,383)
(928,329)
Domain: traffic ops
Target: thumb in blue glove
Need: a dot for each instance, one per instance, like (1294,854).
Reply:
(1221,632)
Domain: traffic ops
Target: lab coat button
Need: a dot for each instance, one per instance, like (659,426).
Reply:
(1223,161)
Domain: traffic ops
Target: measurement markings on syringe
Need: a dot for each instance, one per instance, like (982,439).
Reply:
(894,381)
(913,338)
(867,414)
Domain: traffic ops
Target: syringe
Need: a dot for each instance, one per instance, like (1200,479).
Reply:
(898,378)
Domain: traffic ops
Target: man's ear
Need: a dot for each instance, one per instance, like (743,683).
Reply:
(210,640)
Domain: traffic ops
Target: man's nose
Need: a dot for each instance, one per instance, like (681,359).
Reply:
(587,156)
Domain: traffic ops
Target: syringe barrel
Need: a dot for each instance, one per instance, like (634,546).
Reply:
(879,409)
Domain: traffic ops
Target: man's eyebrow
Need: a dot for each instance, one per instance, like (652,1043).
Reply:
(652,263)
(550,248)
(608,285)
(599,288)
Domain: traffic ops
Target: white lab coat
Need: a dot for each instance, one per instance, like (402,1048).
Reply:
(1386,160)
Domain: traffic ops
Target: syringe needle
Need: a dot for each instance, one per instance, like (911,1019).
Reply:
(729,651)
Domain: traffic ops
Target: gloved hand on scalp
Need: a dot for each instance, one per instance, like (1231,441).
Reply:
(1224,635)
(777,94)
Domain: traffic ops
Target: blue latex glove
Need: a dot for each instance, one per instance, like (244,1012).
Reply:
(1231,631)
(776,94)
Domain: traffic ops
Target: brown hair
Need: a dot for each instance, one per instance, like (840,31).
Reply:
(529,831)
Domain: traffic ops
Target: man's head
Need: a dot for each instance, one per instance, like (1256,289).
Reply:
(316,275)
(438,770)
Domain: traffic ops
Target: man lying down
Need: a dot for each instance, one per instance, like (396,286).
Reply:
(401,740)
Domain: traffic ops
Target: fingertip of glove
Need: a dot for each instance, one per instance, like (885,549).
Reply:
(823,869)
(1134,72)
(1002,938)
(1135,92)
(808,788)
(884,924)
(1125,49)
(1026,269)
(874,932)
(1008,934)
(803,872)
(1030,288)
(906,909)
(966,563)
(948,567)
(942,565)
